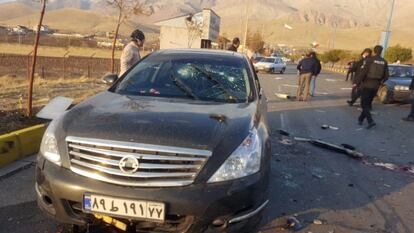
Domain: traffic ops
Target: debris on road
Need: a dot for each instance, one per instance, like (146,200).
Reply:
(388,166)
(286,141)
(317,222)
(285,96)
(326,145)
(329,127)
(294,224)
(321,111)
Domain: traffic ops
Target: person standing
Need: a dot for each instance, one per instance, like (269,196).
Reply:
(374,73)
(315,75)
(234,45)
(411,115)
(130,54)
(356,69)
(306,67)
(350,71)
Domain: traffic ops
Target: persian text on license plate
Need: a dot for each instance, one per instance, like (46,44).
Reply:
(124,207)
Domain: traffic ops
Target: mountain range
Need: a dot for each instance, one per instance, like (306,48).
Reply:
(352,24)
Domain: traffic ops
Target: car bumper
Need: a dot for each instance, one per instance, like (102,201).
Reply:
(230,205)
(401,96)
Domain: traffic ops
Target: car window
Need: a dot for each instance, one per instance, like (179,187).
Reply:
(401,71)
(269,60)
(206,79)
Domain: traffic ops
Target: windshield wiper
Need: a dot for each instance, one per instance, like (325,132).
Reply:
(213,80)
(183,87)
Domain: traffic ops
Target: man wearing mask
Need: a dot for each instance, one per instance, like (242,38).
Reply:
(411,116)
(235,45)
(373,74)
(130,55)
(356,69)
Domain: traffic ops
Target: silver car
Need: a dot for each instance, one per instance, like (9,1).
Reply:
(271,65)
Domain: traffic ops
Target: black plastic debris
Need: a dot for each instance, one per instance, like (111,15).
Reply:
(294,224)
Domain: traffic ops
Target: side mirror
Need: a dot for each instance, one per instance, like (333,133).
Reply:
(109,79)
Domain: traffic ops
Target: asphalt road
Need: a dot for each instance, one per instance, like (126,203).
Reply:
(308,182)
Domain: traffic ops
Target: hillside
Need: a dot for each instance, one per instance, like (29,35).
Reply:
(13,9)
(358,22)
(76,20)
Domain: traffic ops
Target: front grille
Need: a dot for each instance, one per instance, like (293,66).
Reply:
(159,166)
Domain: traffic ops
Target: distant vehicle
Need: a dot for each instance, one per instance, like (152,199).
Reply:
(271,65)
(397,87)
(256,59)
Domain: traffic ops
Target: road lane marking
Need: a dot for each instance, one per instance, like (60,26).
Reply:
(346,88)
(331,80)
(278,78)
(290,85)
(282,120)
(322,93)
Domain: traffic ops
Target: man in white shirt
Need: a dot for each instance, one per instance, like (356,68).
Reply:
(130,55)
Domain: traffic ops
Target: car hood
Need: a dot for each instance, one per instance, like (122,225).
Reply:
(159,121)
(400,81)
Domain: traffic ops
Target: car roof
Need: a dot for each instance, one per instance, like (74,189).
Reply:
(195,52)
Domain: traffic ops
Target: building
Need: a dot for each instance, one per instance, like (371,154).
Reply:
(20,30)
(44,29)
(4,30)
(197,30)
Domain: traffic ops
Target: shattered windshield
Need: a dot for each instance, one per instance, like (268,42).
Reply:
(205,79)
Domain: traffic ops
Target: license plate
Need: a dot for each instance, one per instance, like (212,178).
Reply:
(121,207)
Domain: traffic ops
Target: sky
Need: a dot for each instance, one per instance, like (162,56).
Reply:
(3,1)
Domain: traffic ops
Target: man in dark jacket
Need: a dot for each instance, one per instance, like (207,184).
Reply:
(315,75)
(307,67)
(373,75)
(235,45)
(411,116)
(350,71)
(356,69)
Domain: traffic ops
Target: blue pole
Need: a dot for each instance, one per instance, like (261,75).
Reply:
(388,29)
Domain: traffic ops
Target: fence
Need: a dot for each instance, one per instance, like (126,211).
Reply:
(65,66)
(49,40)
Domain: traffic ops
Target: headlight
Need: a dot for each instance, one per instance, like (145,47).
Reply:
(402,88)
(49,148)
(244,161)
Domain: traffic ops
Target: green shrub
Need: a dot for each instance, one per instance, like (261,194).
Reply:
(398,53)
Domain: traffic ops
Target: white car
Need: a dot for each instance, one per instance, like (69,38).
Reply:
(271,65)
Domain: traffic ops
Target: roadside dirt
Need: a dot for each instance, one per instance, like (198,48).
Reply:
(13,97)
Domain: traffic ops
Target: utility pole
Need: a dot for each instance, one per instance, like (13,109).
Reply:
(385,37)
(247,25)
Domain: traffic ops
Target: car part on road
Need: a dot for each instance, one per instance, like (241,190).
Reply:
(294,224)
(340,149)
(329,127)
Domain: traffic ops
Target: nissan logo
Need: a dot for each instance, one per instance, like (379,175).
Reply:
(129,164)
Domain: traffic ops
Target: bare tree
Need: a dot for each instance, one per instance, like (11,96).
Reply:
(125,9)
(195,25)
(33,68)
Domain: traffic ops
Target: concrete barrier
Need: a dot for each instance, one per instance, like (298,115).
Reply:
(20,143)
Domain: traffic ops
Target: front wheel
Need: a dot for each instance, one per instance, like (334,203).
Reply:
(282,71)
(385,95)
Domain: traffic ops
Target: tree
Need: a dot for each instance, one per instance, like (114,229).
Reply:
(125,9)
(398,53)
(34,60)
(333,55)
(255,42)
(195,25)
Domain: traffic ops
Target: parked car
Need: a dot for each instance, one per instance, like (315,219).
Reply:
(271,65)
(179,143)
(397,87)
(256,59)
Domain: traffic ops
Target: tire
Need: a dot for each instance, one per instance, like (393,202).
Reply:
(282,71)
(384,95)
(272,71)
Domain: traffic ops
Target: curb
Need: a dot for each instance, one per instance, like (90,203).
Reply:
(20,144)
(336,70)
(17,166)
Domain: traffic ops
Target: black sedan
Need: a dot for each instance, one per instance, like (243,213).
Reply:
(179,143)
(397,87)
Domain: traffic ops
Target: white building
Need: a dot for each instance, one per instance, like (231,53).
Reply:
(190,31)
(43,29)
